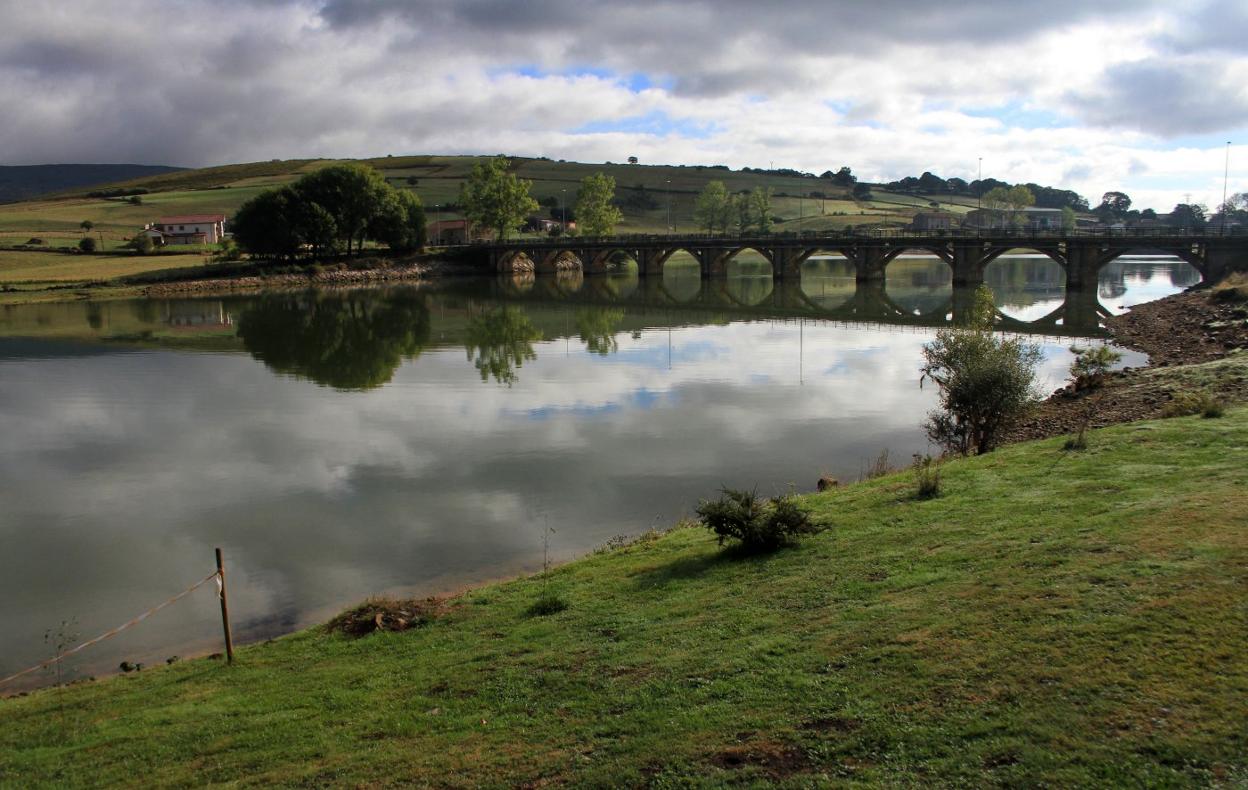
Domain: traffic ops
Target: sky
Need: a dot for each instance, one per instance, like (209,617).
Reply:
(1135,95)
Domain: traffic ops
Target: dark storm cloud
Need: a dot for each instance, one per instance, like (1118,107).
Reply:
(189,83)
(1165,99)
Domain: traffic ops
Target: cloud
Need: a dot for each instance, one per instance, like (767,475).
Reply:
(1040,90)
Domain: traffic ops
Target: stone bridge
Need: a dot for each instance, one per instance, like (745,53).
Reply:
(1081,254)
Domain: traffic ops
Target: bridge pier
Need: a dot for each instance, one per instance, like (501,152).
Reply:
(869,262)
(1223,256)
(968,263)
(1083,265)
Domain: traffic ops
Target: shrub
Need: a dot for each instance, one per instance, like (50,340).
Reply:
(87,244)
(547,603)
(926,472)
(986,382)
(1186,403)
(385,614)
(141,244)
(759,524)
(34,241)
(1092,365)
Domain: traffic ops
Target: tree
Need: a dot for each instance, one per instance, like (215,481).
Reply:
(632,160)
(862,191)
(401,223)
(713,207)
(86,244)
(86,225)
(1069,220)
(1020,198)
(353,194)
(274,224)
(986,382)
(743,211)
(996,201)
(1114,205)
(595,208)
(142,244)
(1188,216)
(844,177)
(760,209)
(494,198)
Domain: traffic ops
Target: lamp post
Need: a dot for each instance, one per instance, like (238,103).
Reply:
(979,195)
(1226,171)
(563,217)
(667,195)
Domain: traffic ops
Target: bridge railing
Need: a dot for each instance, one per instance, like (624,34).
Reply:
(855,234)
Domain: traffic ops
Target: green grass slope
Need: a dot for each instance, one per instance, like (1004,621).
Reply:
(1058,619)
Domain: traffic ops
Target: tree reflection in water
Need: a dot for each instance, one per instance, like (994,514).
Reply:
(500,340)
(346,341)
(597,327)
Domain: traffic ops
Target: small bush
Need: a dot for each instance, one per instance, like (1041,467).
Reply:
(34,241)
(142,244)
(547,603)
(1184,404)
(759,524)
(87,244)
(1091,365)
(926,472)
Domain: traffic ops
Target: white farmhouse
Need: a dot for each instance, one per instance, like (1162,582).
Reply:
(187,229)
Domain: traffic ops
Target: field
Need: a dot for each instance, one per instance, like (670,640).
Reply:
(437,181)
(1052,619)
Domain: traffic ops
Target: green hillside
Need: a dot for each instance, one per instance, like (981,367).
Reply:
(1053,619)
(437,180)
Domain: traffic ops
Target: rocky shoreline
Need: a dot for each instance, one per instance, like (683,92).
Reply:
(1184,329)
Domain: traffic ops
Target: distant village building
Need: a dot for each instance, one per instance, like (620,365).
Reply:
(187,229)
(1027,219)
(932,220)
(448,231)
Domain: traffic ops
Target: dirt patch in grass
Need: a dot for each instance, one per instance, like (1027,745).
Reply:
(776,760)
(385,614)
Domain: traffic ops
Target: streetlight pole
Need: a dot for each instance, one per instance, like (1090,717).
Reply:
(979,196)
(563,217)
(667,195)
(1226,171)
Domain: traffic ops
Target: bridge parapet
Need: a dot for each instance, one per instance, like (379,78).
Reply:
(1081,253)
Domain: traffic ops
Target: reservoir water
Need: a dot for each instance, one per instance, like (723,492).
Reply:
(343,443)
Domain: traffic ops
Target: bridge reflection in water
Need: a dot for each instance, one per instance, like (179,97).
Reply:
(1032,297)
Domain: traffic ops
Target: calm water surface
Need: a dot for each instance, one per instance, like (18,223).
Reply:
(342,444)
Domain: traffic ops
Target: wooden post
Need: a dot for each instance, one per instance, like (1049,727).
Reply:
(225,611)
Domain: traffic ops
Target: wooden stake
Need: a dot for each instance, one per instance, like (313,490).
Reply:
(225,611)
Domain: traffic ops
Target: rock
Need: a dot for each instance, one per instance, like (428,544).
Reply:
(826,482)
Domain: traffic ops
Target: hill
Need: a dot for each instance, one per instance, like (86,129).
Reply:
(22,182)
(1052,619)
(653,196)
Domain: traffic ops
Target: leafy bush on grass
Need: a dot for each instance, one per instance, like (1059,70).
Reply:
(1186,403)
(87,244)
(926,472)
(546,604)
(1091,365)
(759,524)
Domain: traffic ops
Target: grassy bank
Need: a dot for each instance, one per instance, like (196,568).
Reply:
(1054,618)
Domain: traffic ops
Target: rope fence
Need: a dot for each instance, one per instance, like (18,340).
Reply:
(218,575)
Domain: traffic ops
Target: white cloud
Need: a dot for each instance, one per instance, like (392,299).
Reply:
(1063,93)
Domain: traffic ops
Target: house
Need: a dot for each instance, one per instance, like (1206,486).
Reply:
(932,220)
(540,225)
(448,231)
(187,229)
(1028,218)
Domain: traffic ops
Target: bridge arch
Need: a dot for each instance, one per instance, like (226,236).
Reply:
(1187,254)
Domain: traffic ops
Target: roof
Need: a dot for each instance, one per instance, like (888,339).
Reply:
(191,219)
